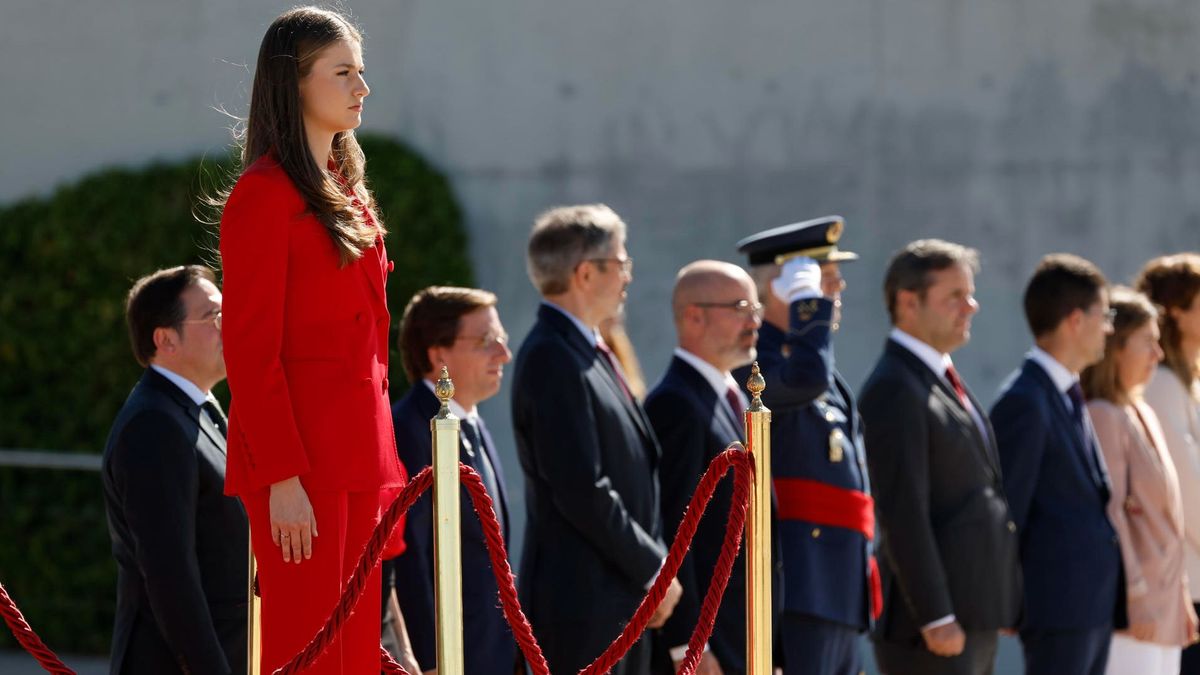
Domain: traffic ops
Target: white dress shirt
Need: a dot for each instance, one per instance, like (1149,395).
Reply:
(193,392)
(720,381)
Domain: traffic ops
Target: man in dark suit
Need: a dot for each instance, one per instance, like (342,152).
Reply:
(593,541)
(951,578)
(696,411)
(1055,476)
(460,329)
(818,466)
(181,545)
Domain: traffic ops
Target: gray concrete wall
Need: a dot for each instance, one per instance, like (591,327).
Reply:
(1020,127)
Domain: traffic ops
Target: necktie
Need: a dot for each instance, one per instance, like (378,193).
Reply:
(735,404)
(613,368)
(1079,415)
(956,382)
(479,459)
(216,416)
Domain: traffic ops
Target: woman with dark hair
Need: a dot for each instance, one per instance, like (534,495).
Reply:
(1145,508)
(1173,283)
(311,447)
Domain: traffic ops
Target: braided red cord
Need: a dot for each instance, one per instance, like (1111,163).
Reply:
(29,640)
(736,457)
(743,481)
(743,475)
(505,581)
(371,554)
(740,460)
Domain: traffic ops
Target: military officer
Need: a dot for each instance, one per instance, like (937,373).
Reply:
(826,515)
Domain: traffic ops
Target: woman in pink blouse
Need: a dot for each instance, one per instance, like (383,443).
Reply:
(1173,284)
(1146,507)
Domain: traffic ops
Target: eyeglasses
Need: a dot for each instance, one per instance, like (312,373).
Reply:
(485,342)
(743,307)
(1108,315)
(626,263)
(215,319)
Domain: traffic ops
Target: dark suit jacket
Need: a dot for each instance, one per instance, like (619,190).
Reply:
(949,546)
(180,544)
(824,576)
(1069,550)
(594,531)
(491,648)
(694,425)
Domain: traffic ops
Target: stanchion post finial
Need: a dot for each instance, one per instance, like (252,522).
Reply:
(447,548)
(759,631)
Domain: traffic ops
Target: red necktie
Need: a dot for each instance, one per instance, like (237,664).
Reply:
(735,404)
(952,376)
(612,366)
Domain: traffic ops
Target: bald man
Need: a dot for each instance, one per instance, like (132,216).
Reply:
(696,411)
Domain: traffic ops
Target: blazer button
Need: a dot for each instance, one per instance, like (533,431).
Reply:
(816,532)
(1012,527)
(358,317)
(391,265)
(385,385)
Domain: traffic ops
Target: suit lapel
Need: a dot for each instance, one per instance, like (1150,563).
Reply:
(562,325)
(941,388)
(493,457)
(371,265)
(1091,465)
(156,381)
(695,383)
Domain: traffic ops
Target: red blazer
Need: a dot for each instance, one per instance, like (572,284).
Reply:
(306,347)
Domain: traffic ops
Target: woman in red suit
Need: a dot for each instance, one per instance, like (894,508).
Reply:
(311,448)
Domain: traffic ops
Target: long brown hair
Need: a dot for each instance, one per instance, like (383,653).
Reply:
(1173,281)
(1133,311)
(339,199)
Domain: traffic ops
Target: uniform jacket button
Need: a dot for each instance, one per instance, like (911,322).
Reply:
(816,532)
(385,384)
(391,265)
(1012,527)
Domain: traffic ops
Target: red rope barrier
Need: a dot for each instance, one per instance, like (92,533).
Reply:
(28,639)
(736,457)
(743,476)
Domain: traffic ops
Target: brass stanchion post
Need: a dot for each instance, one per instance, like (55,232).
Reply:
(447,551)
(253,617)
(758,536)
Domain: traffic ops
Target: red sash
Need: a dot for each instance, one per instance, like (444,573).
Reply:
(824,504)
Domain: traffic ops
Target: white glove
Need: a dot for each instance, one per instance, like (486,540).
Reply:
(799,279)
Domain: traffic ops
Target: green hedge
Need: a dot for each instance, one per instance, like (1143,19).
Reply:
(65,364)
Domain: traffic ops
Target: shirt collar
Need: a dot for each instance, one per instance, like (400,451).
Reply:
(1062,378)
(187,386)
(589,333)
(720,381)
(935,360)
(455,407)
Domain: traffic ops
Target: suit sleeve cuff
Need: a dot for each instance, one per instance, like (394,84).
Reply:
(944,621)
(677,653)
(654,578)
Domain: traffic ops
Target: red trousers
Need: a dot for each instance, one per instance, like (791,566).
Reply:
(298,599)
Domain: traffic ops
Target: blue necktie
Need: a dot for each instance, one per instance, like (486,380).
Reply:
(479,460)
(1078,413)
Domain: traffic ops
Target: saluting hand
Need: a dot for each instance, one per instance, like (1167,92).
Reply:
(293,524)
